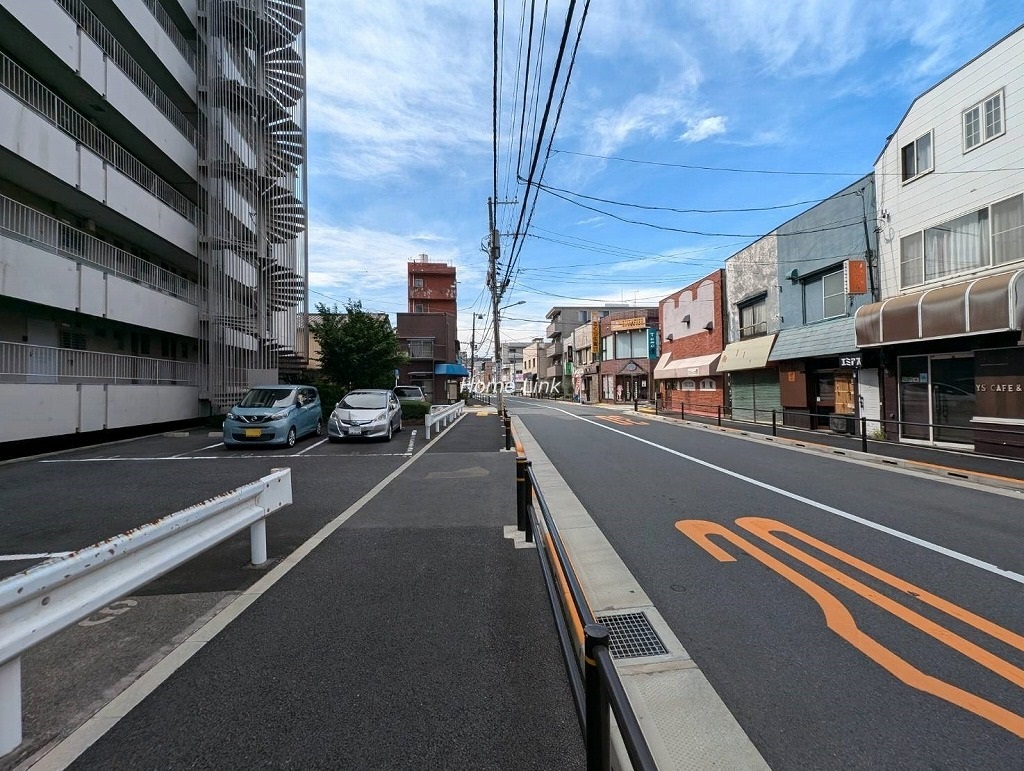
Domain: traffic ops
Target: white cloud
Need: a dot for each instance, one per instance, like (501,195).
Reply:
(394,85)
(699,130)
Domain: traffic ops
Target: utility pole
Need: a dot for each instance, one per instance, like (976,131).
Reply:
(472,355)
(496,292)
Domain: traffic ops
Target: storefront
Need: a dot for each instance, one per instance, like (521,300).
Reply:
(954,363)
(753,382)
(692,384)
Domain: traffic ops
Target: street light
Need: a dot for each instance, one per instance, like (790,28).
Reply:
(472,355)
(512,373)
(512,305)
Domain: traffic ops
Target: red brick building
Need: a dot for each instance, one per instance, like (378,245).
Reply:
(693,333)
(629,348)
(432,287)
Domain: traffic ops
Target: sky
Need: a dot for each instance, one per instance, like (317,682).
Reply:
(749,111)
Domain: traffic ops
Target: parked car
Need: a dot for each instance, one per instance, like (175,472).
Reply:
(365,413)
(274,414)
(410,394)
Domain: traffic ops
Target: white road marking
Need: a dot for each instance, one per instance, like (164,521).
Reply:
(1019,578)
(41,556)
(412,440)
(232,456)
(307,449)
(208,447)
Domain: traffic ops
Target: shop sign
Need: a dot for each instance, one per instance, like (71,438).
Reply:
(849,361)
(652,344)
(855,275)
(595,334)
(622,325)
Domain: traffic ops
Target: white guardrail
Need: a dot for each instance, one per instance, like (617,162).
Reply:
(41,601)
(442,416)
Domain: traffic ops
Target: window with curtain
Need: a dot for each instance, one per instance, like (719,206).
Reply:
(688,385)
(1008,230)
(957,245)
(754,318)
(707,384)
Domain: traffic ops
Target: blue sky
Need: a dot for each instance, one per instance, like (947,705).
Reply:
(400,136)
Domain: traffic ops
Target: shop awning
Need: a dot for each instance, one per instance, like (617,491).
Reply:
(455,370)
(990,304)
(693,366)
(746,354)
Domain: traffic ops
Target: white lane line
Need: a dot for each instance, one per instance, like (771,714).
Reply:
(232,456)
(307,449)
(208,447)
(67,751)
(42,556)
(412,440)
(1019,578)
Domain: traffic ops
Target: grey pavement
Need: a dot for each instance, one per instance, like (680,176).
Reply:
(412,636)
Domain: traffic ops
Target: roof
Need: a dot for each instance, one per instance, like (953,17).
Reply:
(820,339)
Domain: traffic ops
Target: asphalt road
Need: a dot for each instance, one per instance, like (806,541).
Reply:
(850,616)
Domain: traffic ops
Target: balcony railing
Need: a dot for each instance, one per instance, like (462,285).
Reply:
(180,42)
(23,363)
(554,371)
(555,349)
(27,224)
(94,28)
(37,96)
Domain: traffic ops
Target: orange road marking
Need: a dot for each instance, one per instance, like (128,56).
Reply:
(839,619)
(622,420)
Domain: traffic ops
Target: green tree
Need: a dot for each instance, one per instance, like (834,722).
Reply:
(357,349)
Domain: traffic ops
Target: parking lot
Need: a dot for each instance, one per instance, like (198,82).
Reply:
(63,502)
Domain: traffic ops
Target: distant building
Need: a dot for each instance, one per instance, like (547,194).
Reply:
(432,286)
(629,351)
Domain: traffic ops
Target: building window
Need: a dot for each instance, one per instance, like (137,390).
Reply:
(688,385)
(707,384)
(72,340)
(417,308)
(421,349)
(983,121)
(754,318)
(1008,231)
(825,297)
(417,283)
(916,158)
(631,345)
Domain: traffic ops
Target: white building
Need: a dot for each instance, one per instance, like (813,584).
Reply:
(152,217)
(950,202)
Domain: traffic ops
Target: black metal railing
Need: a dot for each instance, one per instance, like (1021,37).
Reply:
(594,681)
(868,430)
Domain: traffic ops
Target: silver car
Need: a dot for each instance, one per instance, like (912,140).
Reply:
(366,413)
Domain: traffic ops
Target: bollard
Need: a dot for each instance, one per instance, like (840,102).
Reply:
(775,431)
(508,432)
(719,415)
(521,494)
(636,405)
(527,499)
(258,541)
(682,412)
(863,434)
(595,636)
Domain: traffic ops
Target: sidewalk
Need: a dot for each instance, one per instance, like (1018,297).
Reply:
(413,636)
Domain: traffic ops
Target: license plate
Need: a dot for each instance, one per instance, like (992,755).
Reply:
(252,432)
(355,430)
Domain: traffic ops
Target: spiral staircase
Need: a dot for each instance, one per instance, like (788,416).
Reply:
(255,148)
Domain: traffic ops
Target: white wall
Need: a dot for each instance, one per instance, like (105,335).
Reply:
(35,410)
(699,306)
(35,275)
(58,31)
(956,186)
(25,133)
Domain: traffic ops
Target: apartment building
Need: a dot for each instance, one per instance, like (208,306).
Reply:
(950,199)
(152,208)
(535,367)
(630,345)
(562,321)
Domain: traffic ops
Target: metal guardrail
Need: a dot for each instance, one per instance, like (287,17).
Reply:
(593,679)
(41,601)
(34,94)
(442,416)
(26,224)
(185,48)
(118,54)
(25,363)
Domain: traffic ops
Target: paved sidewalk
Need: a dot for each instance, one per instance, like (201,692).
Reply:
(413,636)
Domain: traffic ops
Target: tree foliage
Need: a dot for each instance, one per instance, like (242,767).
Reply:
(357,349)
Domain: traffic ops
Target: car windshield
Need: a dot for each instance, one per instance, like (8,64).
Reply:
(408,391)
(268,397)
(363,401)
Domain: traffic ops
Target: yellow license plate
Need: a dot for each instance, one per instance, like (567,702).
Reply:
(252,432)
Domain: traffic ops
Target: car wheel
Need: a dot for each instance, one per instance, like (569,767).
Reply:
(399,429)
(290,440)
(320,427)
(390,433)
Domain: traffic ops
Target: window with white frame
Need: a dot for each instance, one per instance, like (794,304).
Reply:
(688,385)
(707,384)
(983,121)
(916,158)
(754,318)
(421,349)
(417,282)
(987,237)
(824,296)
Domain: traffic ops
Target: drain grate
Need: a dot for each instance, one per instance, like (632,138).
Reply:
(631,636)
